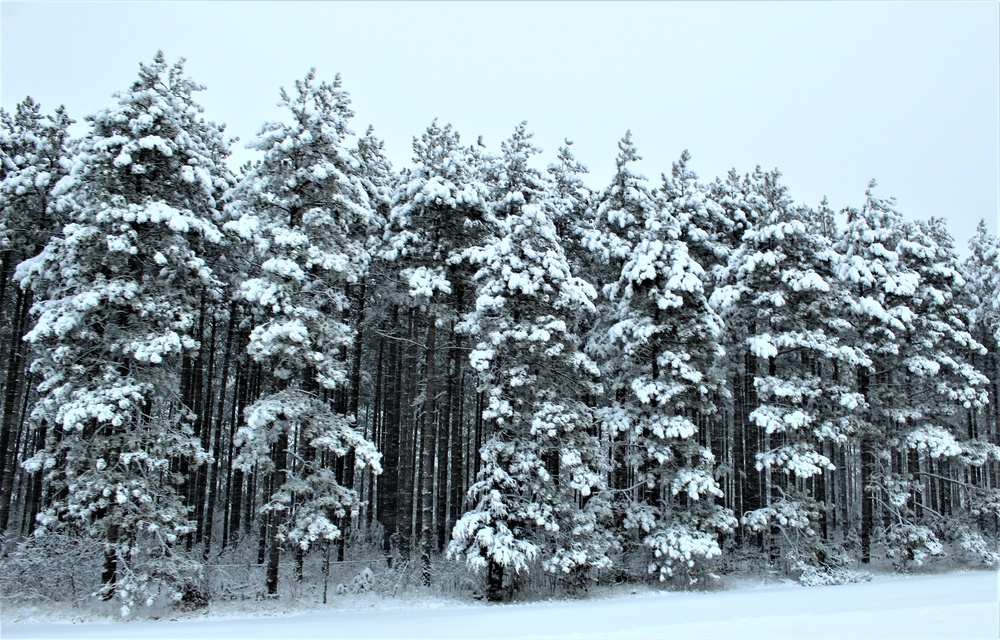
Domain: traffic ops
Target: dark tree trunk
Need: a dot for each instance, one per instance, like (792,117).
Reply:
(201,426)
(34,501)
(739,453)
(478,440)
(456,471)
(274,550)
(429,422)
(109,574)
(234,477)
(407,448)
(353,402)
(220,414)
(12,390)
(494,581)
(867,469)
(388,482)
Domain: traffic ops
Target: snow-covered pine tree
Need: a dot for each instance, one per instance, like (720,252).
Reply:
(899,285)
(707,232)
(116,298)
(982,269)
(982,274)
(749,202)
(569,204)
(929,449)
(379,180)
(31,146)
(608,231)
(665,341)
(780,304)
(706,228)
(878,291)
(541,492)
(438,212)
(740,204)
(308,216)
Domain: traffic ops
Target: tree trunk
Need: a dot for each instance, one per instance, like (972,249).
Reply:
(427,457)
(407,445)
(201,426)
(456,470)
(214,484)
(12,390)
(739,454)
(388,482)
(353,402)
(274,552)
(234,482)
(34,502)
(109,575)
(494,580)
(867,469)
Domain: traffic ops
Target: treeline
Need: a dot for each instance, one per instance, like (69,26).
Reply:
(473,358)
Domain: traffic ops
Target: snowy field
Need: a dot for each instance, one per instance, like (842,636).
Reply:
(963,605)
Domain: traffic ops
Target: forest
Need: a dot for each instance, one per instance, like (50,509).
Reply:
(470,373)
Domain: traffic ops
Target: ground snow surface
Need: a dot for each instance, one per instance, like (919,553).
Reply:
(963,605)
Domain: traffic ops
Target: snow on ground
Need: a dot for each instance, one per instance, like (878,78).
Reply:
(962,605)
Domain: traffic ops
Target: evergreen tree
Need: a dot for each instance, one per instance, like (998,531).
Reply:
(437,214)
(116,300)
(541,491)
(982,275)
(665,338)
(30,148)
(569,204)
(706,228)
(877,288)
(308,215)
(901,284)
(928,440)
(781,304)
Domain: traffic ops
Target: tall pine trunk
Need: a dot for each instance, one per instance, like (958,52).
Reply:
(274,549)
(427,457)
(215,483)
(388,482)
(12,390)
(867,468)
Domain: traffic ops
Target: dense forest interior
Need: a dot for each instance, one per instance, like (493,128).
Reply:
(470,373)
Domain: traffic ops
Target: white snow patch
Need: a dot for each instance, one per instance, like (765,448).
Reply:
(962,605)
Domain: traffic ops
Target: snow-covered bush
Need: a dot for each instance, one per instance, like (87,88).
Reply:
(972,547)
(819,577)
(906,543)
(60,567)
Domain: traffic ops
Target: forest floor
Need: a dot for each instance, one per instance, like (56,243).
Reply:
(950,605)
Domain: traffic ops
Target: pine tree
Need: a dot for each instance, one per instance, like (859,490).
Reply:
(116,300)
(705,227)
(569,204)
(30,148)
(781,303)
(437,214)
(982,274)
(876,289)
(928,441)
(900,283)
(308,216)
(665,341)
(541,492)
(707,232)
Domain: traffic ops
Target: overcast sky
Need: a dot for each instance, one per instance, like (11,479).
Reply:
(831,94)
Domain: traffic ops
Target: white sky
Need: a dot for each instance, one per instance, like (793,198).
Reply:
(832,94)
